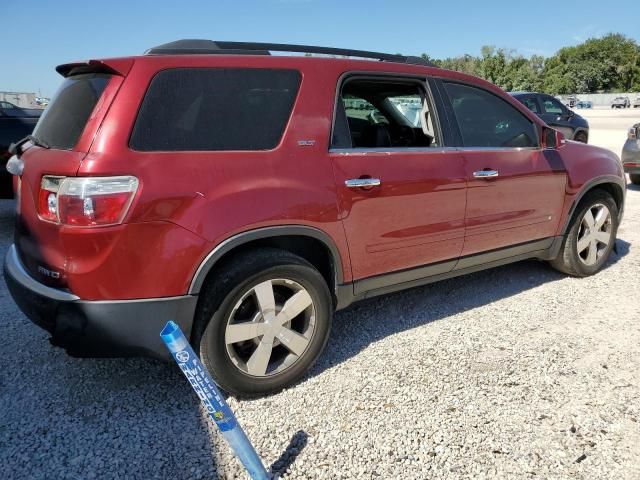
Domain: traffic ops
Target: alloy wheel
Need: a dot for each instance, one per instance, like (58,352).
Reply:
(595,234)
(270,327)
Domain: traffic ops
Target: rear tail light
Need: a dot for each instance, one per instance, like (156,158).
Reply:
(86,201)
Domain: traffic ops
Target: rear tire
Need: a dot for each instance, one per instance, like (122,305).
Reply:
(591,236)
(243,302)
(635,178)
(581,137)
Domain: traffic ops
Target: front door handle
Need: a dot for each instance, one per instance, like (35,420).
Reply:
(486,174)
(362,182)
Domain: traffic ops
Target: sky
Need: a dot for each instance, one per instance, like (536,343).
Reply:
(37,35)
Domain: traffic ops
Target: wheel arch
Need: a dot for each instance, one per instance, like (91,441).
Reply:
(310,243)
(580,130)
(610,183)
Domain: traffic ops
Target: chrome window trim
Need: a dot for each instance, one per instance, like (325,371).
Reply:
(346,151)
(499,149)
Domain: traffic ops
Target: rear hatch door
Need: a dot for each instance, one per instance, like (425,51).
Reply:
(62,138)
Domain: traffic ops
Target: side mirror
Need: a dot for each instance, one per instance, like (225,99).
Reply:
(552,138)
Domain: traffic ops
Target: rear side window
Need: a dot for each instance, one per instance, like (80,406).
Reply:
(63,121)
(486,120)
(213,109)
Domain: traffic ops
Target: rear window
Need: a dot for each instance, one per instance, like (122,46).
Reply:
(63,121)
(215,109)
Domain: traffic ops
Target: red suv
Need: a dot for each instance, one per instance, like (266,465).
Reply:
(249,196)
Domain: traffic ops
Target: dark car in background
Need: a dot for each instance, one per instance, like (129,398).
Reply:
(8,109)
(15,123)
(631,154)
(555,114)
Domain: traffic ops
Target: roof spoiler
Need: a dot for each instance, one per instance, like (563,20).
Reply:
(117,66)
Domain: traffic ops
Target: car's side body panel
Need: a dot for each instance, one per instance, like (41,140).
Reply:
(415,217)
(587,167)
(523,203)
(429,220)
(217,195)
(272,188)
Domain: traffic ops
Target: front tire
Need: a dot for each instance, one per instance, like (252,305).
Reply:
(635,178)
(266,319)
(581,137)
(591,236)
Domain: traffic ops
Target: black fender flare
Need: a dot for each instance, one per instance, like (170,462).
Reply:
(239,239)
(588,186)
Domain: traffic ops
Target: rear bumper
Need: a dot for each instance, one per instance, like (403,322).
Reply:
(97,328)
(631,167)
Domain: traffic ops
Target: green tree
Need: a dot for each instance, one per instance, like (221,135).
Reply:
(607,64)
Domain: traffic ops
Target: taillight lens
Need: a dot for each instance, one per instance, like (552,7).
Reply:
(47,198)
(86,201)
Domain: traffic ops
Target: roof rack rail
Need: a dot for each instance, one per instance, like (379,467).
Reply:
(211,47)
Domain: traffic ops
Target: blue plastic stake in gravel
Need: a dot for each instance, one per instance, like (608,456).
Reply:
(212,399)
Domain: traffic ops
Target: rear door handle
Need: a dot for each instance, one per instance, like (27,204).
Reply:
(486,174)
(362,182)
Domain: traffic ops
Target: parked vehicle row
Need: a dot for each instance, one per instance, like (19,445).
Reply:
(555,114)
(618,102)
(254,204)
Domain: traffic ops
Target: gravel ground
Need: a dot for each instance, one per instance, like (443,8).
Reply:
(516,372)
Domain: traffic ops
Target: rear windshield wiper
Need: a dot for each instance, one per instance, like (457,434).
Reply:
(36,141)
(16,148)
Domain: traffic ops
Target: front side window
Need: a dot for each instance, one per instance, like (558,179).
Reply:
(215,109)
(381,114)
(551,105)
(486,120)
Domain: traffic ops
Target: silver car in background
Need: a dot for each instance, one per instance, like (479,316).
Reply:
(631,154)
(621,102)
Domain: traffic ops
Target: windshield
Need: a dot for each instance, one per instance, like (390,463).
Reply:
(63,121)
